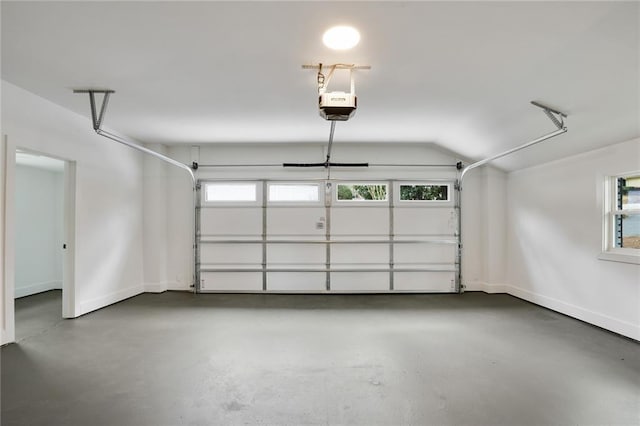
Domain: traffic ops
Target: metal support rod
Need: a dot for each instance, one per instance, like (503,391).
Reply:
(327,234)
(103,109)
(337,66)
(559,124)
(326,165)
(548,108)
(331,132)
(264,234)
(458,205)
(392,234)
(510,151)
(549,112)
(322,164)
(134,145)
(92,101)
(97,121)
(197,247)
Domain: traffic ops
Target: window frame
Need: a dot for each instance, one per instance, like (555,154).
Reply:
(231,203)
(357,202)
(610,213)
(319,201)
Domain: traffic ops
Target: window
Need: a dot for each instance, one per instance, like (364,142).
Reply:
(424,192)
(294,192)
(622,218)
(231,192)
(362,192)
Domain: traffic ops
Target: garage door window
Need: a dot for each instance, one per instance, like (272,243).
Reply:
(424,193)
(231,192)
(294,193)
(364,192)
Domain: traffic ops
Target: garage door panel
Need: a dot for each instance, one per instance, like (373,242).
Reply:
(296,253)
(230,253)
(360,253)
(360,221)
(306,221)
(424,253)
(231,221)
(360,281)
(296,281)
(231,281)
(424,221)
(424,281)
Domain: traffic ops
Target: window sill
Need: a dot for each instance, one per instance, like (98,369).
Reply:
(620,257)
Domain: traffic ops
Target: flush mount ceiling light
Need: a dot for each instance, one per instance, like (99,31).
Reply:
(341,37)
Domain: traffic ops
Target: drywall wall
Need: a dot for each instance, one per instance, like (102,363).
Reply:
(155,211)
(6,330)
(108,196)
(38,225)
(481,183)
(554,237)
(484,235)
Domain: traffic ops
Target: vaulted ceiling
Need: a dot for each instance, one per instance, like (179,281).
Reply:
(457,74)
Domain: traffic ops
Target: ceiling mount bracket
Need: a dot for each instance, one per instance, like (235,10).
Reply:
(557,117)
(99,117)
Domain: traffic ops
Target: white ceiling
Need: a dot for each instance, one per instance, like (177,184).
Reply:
(457,74)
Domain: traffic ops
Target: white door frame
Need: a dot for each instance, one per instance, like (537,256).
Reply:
(7,205)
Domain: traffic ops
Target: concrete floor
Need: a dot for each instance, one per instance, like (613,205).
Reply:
(38,313)
(180,359)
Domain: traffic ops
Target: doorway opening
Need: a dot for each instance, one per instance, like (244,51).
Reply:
(40,241)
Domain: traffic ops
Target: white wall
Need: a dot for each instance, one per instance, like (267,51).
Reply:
(484,236)
(108,196)
(478,260)
(38,225)
(555,217)
(156,243)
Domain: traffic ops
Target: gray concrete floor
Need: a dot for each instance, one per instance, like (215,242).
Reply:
(38,313)
(181,359)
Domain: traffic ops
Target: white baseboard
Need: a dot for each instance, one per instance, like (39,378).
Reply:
(5,338)
(179,287)
(109,299)
(35,288)
(486,287)
(157,287)
(609,323)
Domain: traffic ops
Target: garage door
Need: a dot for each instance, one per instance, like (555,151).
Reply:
(327,236)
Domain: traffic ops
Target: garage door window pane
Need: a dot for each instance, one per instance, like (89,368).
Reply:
(292,192)
(222,192)
(362,192)
(424,193)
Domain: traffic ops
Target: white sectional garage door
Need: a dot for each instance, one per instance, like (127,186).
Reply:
(327,236)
